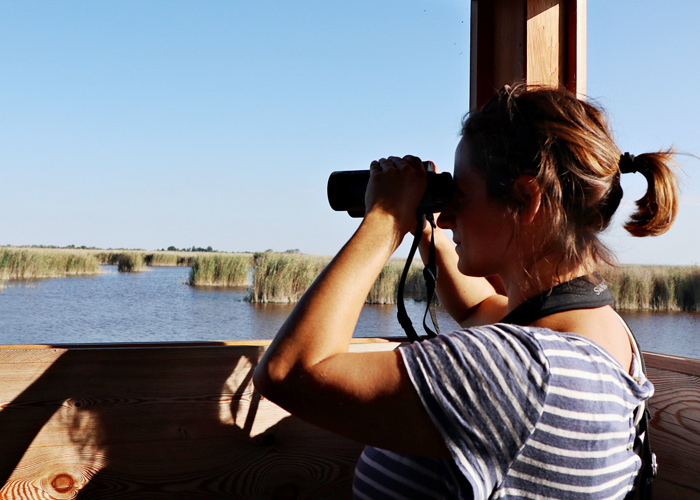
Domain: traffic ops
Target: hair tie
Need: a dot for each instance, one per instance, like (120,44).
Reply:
(627,164)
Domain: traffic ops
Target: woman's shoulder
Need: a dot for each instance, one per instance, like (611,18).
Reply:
(502,337)
(491,351)
(573,358)
(505,345)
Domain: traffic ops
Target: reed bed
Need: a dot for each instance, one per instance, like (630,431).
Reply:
(655,288)
(160,258)
(169,258)
(126,262)
(131,262)
(107,258)
(386,287)
(221,270)
(154,259)
(165,260)
(284,277)
(23,263)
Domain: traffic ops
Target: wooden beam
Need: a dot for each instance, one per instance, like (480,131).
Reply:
(540,42)
(545,42)
(498,47)
(161,421)
(675,425)
(158,422)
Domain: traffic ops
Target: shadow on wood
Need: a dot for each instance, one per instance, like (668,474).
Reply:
(183,421)
(157,422)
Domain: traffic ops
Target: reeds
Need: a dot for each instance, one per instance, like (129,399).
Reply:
(126,262)
(386,287)
(655,288)
(164,259)
(220,270)
(284,277)
(279,277)
(130,262)
(34,264)
(138,260)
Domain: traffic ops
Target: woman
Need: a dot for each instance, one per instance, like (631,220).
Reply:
(499,409)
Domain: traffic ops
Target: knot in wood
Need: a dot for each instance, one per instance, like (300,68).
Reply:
(63,483)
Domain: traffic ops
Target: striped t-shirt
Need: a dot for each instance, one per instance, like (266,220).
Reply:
(525,413)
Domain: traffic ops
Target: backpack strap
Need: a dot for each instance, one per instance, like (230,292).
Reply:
(642,440)
(587,292)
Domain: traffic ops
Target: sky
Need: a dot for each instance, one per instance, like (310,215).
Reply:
(149,124)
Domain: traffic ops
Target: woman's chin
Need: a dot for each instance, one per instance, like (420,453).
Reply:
(470,268)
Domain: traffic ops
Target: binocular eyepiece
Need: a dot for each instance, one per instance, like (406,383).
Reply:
(346,191)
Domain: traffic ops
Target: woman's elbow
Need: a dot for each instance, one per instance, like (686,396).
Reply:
(274,381)
(265,380)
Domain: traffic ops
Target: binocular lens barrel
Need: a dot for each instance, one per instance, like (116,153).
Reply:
(346,191)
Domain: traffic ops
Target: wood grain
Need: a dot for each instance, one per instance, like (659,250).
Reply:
(184,421)
(540,42)
(157,421)
(675,424)
(545,42)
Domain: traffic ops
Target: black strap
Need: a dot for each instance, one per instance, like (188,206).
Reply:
(587,292)
(430,275)
(642,441)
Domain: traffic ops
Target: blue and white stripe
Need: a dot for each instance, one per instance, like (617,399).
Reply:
(525,413)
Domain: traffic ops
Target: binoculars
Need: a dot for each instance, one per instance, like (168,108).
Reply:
(346,191)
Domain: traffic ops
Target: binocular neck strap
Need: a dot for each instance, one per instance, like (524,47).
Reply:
(430,276)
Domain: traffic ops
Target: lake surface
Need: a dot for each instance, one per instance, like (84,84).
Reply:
(156,306)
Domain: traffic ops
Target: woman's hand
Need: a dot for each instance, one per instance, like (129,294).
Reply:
(396,187)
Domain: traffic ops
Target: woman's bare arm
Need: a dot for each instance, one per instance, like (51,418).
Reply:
(308,370)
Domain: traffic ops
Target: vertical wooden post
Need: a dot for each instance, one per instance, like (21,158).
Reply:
(540,42)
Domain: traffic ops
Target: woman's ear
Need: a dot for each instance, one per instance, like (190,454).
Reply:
(528,197)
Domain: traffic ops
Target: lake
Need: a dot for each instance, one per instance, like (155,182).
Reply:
(156,306)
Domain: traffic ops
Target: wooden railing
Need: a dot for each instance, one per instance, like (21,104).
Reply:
(675,425)
(183,421)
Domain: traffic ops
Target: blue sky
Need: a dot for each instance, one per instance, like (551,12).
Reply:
(145,124)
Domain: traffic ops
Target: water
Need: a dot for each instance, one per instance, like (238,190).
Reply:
(156,306)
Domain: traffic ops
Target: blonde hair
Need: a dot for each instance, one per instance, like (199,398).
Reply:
(566,145)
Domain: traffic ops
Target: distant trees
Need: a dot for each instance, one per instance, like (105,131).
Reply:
(172,248)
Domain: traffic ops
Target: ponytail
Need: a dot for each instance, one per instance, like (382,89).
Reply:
(657,209)
(566,144)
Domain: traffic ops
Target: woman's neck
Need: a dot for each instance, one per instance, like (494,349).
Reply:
(527,283)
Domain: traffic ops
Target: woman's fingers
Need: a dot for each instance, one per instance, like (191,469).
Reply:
(396,187)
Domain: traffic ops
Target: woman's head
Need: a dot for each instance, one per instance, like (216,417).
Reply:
(565,145)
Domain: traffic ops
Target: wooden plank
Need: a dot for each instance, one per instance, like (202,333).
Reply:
(576,59)
(158,422)
(675,424)
(545,48)
(169,345)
